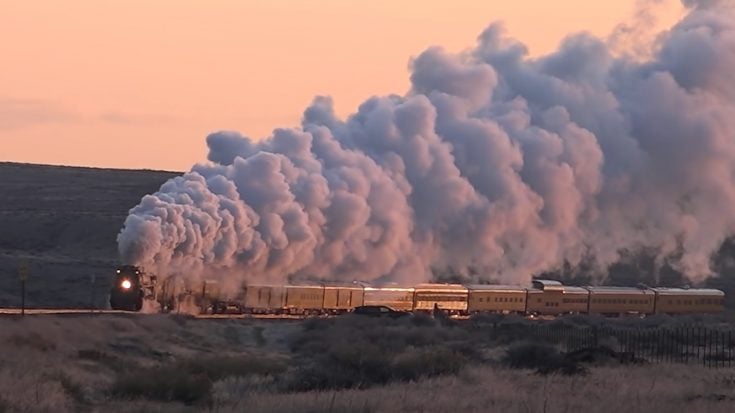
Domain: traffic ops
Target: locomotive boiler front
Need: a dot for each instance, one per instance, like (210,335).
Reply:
(127,290)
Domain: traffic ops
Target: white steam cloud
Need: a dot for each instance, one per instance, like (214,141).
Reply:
(494,160)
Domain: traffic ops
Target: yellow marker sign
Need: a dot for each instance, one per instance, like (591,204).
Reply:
(23,271)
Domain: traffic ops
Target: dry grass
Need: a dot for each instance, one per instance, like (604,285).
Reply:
(629,389)
(69,364)
(59,364)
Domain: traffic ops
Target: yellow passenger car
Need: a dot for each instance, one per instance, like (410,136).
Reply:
(551,298)
(451,298)
(395,297)
(683,301)
(496,299)
(342,297)
(621,300)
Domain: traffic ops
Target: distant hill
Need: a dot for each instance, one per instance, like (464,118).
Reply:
(64,221)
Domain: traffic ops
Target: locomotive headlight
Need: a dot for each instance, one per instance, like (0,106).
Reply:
(126,284)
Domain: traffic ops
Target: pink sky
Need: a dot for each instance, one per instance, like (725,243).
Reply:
(140,83)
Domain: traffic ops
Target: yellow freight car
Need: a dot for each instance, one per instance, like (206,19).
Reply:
(496,298)
(265,298)
(621,300)
(342,297)
(684,301)
(304,299)
(451,298)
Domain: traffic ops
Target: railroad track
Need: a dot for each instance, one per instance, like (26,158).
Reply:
(87,312)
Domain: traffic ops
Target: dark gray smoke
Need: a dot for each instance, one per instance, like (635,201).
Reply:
(494,160)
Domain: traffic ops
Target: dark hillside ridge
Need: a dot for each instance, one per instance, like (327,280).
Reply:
(64,221)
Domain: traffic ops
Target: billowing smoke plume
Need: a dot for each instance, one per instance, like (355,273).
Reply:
(500,162)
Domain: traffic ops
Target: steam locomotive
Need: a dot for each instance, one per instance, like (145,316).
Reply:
(132,287)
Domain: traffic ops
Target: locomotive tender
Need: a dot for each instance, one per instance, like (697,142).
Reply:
(132,286)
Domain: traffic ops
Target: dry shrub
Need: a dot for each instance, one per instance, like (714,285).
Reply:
(530,355)
(217,368)
(165,383)
(343,365)
(423,320)
(359,352)
(668,388)
(413,365)
(73,389)
(108,360)
(542,357)
(258,337)
(32,341)
(190,381)
(32,391)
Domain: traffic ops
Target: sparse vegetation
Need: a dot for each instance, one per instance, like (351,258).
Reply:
(31,340)
(164,383)
(543,358)
(359,352)
(73,389)
(190,381)
(162,363)
(258,336)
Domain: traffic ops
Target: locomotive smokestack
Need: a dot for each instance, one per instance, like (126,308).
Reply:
(494,159)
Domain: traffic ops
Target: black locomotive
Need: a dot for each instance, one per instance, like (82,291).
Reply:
(128,289)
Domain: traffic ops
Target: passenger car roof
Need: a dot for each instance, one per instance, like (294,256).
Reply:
(688,291)
(620,290)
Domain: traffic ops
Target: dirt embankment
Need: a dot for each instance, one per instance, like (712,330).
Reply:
(64,222)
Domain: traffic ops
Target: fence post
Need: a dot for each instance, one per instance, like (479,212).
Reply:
(670,345)
(699,342)
(719,348)
(721,352)
(661,345)
(681,344)
(656,335)
(708,347)
(686,345)
(636,341)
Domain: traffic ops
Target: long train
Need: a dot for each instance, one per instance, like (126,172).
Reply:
(132,287)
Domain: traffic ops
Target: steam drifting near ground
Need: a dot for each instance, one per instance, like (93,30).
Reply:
(494,160)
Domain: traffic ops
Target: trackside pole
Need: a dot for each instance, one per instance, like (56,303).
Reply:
(91,293)
(22,298)
(23,275)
